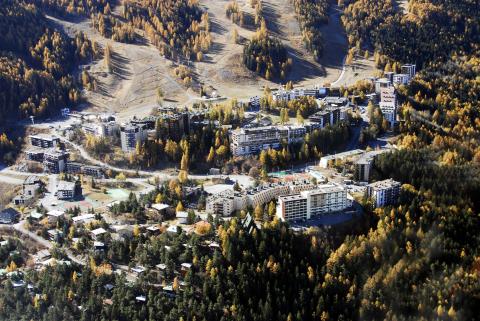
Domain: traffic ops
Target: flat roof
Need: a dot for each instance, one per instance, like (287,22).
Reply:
(64,185)
(55,213)
(83,217)
(160,206)
(388,183)
(98,231)
(44,136)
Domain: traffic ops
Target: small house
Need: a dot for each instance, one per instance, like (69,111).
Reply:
(97,232)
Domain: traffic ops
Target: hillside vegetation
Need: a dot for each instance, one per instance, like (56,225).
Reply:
(36,62)
(311,15)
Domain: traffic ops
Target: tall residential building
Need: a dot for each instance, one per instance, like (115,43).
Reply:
(382,83)
(325,199)
(245,141)
(130,135)
(364,164)
(409,69)
(384,192)
(388,104)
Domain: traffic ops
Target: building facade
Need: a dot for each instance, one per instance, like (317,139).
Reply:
(44,141)
(227,202)
(54,161)
(131,135)
(388,104)
(384,193)
(322,200)
(69,190)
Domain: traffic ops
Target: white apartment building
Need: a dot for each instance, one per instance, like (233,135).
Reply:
(130,135)
(382,83)
(245,141)
(401,79)
(384,192)
(324,199)
(388,104)
(409,69)
(227,202)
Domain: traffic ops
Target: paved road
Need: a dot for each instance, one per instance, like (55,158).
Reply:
(10,180)
(243,180)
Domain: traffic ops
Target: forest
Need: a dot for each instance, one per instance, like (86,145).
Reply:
(36,63)
(430,32)
(266,55)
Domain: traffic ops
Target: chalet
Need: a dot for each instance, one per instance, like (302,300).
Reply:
(138,270)
(153,230)
(54,215)
(83,219)
(182,217)
(54,234)
(36,215)
(185,267)
(141,298)
(97,233)
(98,246)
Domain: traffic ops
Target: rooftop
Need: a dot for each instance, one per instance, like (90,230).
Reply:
(388,183)
(98,231)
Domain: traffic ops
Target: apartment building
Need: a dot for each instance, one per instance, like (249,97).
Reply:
(54,161)
(44,141)
(409,69)
(327,161)
(245,141)
(287,95)
(401,79)
(382,83)
(105,129)
(69,190)
(336,101)
(35,154)
(324,199)
(388,104)
(77,168)
(174,124)
(384,192)
(227,202)
(131,135)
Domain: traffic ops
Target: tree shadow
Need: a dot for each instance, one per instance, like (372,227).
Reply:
(302,68)
(272,19)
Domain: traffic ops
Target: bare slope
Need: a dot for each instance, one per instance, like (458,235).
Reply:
(139,69)
(223,69)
